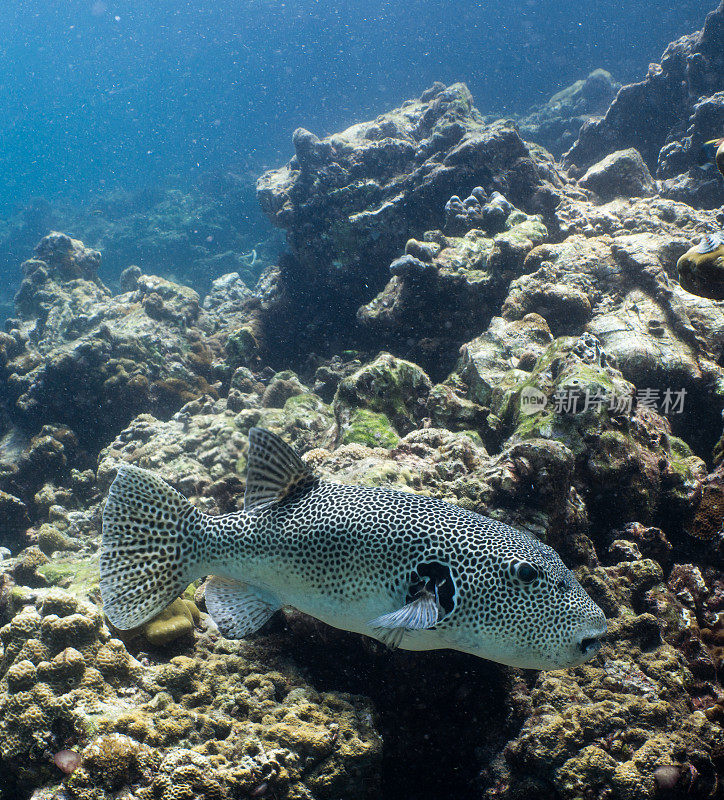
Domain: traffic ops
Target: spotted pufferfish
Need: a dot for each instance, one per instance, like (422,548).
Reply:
(412,571)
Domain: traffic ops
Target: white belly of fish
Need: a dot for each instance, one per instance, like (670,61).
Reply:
(245,595)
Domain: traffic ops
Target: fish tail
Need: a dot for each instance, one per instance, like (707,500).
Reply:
(149,548)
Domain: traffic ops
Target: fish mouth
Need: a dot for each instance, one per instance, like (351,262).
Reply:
(589,645)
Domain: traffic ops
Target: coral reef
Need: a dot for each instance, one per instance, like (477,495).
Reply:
(78,363)
(191,235)
(349,202)
(446,288)
(175,622)
(459,316)
(222,725)
(79,357)
(707,513)
(606,729)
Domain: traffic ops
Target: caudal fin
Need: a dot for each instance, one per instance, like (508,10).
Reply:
(147,547)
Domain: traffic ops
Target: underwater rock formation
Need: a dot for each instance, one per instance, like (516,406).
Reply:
(707,514)
(202,448)
(77,364)
(617,459)
(446,288)
(499,335)
(223,725)
(620,174)
(349,202)
(667,117)
(556,123)
(607,729)
(686,169)
(662,336)
(190,236)
(78,357)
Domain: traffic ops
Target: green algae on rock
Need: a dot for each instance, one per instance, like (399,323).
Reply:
(390,386)
(627,463)
(369,428)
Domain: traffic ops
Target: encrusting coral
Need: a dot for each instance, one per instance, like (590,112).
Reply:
(66,683)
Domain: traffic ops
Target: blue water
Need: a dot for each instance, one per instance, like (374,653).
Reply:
(101,94)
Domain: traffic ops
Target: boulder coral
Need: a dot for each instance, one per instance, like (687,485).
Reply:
(65,682)
(438,298)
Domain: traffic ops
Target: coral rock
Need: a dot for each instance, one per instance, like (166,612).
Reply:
(390,180)
(389,386)
(621,174)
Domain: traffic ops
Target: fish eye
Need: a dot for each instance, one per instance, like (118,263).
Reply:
(525,572)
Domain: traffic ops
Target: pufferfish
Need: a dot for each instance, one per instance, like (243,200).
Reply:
(701,269)
(411,571)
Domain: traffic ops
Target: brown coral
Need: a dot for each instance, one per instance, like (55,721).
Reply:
(66,683)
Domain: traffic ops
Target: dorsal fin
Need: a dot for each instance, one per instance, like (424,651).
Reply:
(275,471)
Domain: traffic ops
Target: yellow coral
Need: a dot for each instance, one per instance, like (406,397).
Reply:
(172,623)
(113,660)
(33,650)
(177,676)
(247,725)
(112,761)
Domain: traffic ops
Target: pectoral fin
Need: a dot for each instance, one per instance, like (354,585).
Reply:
(421,614)
(710,243)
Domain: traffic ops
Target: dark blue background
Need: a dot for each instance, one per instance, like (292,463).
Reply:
(106,93)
